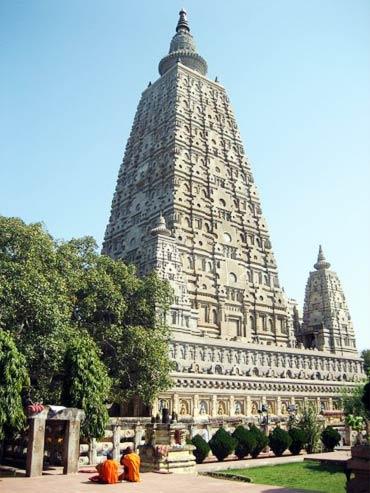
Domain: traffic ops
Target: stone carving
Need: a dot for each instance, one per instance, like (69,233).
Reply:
(187,207)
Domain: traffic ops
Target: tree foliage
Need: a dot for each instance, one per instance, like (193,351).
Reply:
(222,444)
(330,437)
(299,439)
(279,441)
(312,428)
(86,384)
(365,354)
(52,292)
(13,379)
(202,448)
(353,403)
(246,441)
(261,440)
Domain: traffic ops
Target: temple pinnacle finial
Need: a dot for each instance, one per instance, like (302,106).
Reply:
(183,22)
(321,261)
(183,45)
(161,227)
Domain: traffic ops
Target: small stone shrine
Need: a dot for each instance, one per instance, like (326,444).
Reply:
(36,439)
(165,449)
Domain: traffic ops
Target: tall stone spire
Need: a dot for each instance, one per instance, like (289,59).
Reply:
(327,322)
(321,261)
(183,49)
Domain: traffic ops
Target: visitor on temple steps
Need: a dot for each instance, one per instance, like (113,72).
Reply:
(108,471)
(131,466)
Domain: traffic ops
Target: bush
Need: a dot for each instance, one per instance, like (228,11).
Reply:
(330,437)
(298,437)
(202,448)
(312,427)
(246,441)
(366,398)
(261,440)
(279,441)
(222,444)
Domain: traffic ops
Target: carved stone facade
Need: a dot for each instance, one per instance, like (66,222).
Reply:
(327,323)
(186,205)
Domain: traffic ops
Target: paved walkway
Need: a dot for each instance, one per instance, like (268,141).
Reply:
(162,483)
(151,483)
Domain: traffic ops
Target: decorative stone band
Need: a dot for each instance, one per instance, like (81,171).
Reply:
(187,58)
(271,364)
(200,385)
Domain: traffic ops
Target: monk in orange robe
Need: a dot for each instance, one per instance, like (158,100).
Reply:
(131,466)
(108,471)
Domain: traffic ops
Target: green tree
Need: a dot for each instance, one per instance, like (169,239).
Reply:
(202,448)
(365,354)
(86,384)
(222,444)
(352,402)
(330,437)
(35,304)
(366,399)
(279,441)
(246,441)
(13,380)
(298,437)
(312,427)
(50,289)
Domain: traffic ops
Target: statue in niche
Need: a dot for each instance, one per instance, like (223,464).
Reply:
(221,408)
(284,408)
(163,404)
(183,408)
(254,409)
(238,408)
(203,407)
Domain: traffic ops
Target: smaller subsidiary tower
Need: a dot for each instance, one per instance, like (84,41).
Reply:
(327,322)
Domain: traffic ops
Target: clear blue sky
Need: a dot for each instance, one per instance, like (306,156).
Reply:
(297,73)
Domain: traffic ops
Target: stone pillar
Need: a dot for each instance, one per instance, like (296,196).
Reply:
(318,404)
(278,405)
(116,440)
(155,407)
(93,457)
(248,404)
(348,435)
(196,405)
(71,449)
(139,430)
(176,403)
(305,402)
(330,406)
(35,448)
(232,406)
(214,405)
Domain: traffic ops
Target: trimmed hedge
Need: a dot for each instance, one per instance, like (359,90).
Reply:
(299,439)
(246,441)
(222,444)
(261,440)
(330,437)
(202,448)
(279,441)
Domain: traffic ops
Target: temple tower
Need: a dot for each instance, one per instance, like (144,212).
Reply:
(327,322)
(185,160)
(186,206)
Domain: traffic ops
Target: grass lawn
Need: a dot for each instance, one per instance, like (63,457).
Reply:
(306,475)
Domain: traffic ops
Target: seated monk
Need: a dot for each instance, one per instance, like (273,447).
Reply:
(108,471)
(131,466)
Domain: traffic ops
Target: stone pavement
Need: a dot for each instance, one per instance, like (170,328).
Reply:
(163,483)
(151,483)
